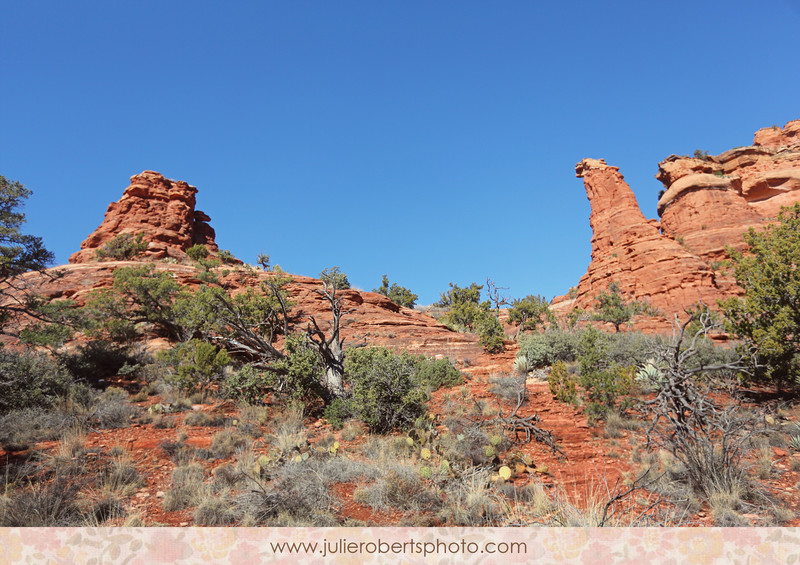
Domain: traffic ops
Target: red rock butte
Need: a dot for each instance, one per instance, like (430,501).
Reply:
(709,203)
(162,210)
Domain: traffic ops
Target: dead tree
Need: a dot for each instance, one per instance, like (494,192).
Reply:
(706,435)
(330,348)
(494,295)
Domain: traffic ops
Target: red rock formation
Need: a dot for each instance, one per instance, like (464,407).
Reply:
(162,210)
(371,317)
(629,249)
(708,203)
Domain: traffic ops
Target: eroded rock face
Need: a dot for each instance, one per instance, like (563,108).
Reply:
(630,250)
(709,203)
(163,210)
(370,318)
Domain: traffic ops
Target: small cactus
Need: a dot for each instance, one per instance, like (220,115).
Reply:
(426,472)
(504,472)
(425,454)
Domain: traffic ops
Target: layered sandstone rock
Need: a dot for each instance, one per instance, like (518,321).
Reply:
(630,250)
(371,318)
(709,202)
(161,209)
(164,212)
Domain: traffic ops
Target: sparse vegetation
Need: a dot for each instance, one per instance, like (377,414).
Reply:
(123,247)
(396,293)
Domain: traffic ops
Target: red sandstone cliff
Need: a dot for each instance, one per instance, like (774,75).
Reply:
(708,204)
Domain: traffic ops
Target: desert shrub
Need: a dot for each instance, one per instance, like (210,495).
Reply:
(248,384)
(334,277)
(98,360)
(508,387)
(226,442)
(19,429)
(546,348)
(563,385)
(400,488)
(197,252)
(603,380)
(122,247)
(30,379)
(214,511)
(188,488)
(301,369)
(121,475)
(491,333)
(197,363)
(630,348)
(113,409)
(385,392)
(396,293)
(52,504)
(438,373)
(197,418)
(338,412)
(535,349)
(466,312)
(298,490)
(471,502)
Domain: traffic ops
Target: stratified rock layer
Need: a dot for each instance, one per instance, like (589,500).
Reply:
(630,250)
(708,204)
(161,209)
(371,318)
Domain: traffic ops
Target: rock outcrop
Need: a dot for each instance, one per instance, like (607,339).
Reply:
(630,250)
(708,204)
(161,209)
(371,318)
(164,212)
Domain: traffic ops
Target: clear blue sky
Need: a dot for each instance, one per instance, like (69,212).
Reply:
(430,141)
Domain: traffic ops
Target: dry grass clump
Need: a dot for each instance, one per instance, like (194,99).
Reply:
(201,419)
(121,476)
(287,428)
(216,511)
(114,409)
(226,443)
(20,429)
(508,387)
(49,504)
(352,430)
(297,496)
(616,424)
(188,488)
(400,488)
(472,502)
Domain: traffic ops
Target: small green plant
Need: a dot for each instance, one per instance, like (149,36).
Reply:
(197,252)
(337,413)
(396,293)
(197,363)
(603,380)
(521,365)
(123,247)
(335,278)
(563,385)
